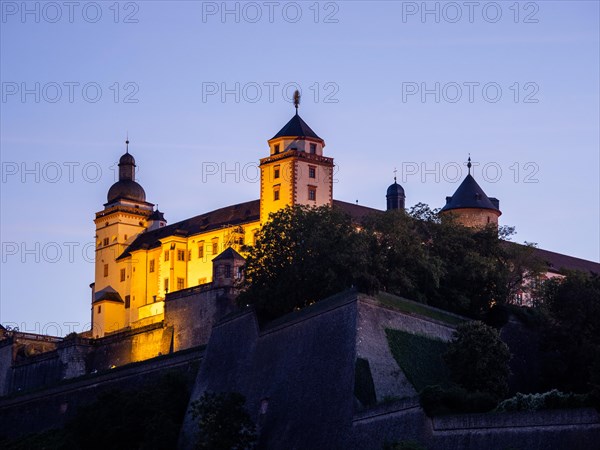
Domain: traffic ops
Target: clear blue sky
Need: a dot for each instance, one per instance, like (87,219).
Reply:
(528,113)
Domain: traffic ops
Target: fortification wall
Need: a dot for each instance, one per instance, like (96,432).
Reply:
(298,371)
(53,407)
(192,314)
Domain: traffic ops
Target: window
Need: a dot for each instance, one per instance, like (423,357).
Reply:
(312,172)
(215,246)
(239,273)
(180,255)
(127,301)
(125,237)
(276,172)
(313,148)
(202,280)
(201,250)
(276,193)
(105,270)
(99,309)
(180,283)
(122,274)
(106,241)
(152,265)
(312,193)
(276,149)
(166,285)
(227,271)
(166,255)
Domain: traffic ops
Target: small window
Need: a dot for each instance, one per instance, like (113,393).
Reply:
(276,194)
(152,265)
(201,250)
(276,172)
(106,241)
(313,148)
(125,237)
(227,271)
(312,193)
(180,255)
(105,270)
(312,172)
(239,272)
(202,280)
(215,247)
(488,219)
(180,283)
(122,274)
(127,301)
(276,149)
(166,255)
(166,285)
(99,309)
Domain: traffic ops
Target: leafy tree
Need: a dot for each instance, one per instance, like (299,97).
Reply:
(303,255)
(478,359)
(572,332)
(224,422)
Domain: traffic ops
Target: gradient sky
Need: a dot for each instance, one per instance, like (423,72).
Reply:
(532,122)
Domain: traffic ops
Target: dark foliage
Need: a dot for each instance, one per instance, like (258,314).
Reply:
(478,360)
(438,401)
(224,423)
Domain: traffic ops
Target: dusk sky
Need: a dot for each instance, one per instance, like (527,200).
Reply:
(200,89)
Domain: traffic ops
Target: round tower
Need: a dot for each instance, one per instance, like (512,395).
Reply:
(395,196)
(470,206)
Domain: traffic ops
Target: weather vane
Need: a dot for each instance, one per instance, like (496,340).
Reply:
(127,143)
(296,99)
(469,163)
(395,170)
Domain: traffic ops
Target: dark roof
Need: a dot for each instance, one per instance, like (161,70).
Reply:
(229,253)
(128,189)
(157,215)
(230,215)
(557,261)
(108,294)
(297,127)
(127,159)
(395,189)
(469,195)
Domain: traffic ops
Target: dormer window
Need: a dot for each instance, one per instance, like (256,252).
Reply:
(276,149)
(313,148)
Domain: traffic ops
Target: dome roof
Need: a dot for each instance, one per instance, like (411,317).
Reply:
(395,189)
(127,158)
(128,189)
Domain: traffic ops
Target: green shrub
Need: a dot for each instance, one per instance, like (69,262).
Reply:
(437,401)
(553,399)
(364,388)
(478,359)
(223,421)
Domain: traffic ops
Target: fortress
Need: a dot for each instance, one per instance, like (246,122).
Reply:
(164,289)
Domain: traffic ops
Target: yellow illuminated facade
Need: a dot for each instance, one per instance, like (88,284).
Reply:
(139,258)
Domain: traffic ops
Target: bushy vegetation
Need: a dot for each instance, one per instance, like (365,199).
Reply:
(224,423)
(404,445)
(553,399)
(305,254)
(440,400)
(478,359)
(419,357)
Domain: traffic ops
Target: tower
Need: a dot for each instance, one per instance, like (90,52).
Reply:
(470,206)
(124,216)
(295,172)
(395,196)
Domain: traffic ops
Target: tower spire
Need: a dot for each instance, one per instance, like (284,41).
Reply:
(127,143)
(296,100)
(469,163)
(395,170)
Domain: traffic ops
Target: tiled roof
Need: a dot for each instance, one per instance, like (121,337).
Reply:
(229,253)
(469,195)
(558,261)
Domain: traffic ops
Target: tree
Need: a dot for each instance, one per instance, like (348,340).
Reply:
(571,336)
(302,255)
(478,359)
(223,421)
